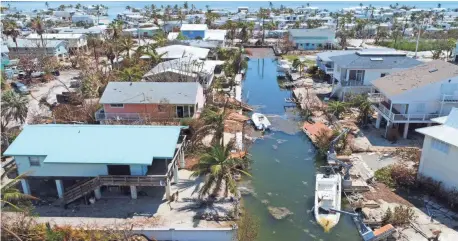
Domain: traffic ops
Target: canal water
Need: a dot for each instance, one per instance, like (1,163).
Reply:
(284,165)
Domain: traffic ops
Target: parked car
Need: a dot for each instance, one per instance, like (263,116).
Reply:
(20,88)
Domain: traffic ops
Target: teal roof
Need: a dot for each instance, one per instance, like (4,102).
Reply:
(91,144)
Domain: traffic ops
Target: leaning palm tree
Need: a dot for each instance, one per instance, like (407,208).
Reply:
(10,194)
(218,167)
(14,108)
(298,64)
(131,74)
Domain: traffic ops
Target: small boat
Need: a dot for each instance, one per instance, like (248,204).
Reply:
(260,121)
(327,197)
(283,66)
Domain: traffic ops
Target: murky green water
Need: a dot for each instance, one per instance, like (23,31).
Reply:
(284,167)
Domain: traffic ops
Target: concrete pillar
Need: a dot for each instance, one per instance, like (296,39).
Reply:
(379,120)
(25,187)
(60,188)
(133,192)
(98,193)
(406,131)
(175,173)
(182,162)
(167,190)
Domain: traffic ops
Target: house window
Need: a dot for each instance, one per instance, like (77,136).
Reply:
(162,108)
(439,145)
(34,161)
(117,105)
(357,75)
(307,44)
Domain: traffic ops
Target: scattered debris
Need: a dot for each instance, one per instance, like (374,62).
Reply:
(279,212)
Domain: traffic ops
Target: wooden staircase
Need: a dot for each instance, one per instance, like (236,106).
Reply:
(87,187)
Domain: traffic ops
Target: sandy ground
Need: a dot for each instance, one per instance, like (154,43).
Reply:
(372,137)
(376,160)
(49,90)
(150,209)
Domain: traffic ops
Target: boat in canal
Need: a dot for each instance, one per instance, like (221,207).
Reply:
(283,66)
(327,199)
(260,121)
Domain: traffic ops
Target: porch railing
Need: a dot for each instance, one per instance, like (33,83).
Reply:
(375,97)
(404,118)
(352,83)
(450,98)
(100,115)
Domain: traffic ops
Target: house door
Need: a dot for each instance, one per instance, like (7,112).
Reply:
(180,111)
(118,169)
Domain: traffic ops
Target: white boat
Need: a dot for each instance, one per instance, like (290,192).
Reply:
(260,121)
(327,197)
(283,66)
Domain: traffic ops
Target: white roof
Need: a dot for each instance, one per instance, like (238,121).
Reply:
(448,132)
(215,34)
(56,36)
(181,51)
(193,27)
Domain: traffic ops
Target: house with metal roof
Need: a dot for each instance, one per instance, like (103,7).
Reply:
(440,151)
(181,51)
(309,39)
(75,40)
(150,102)
(83,158)
(187,69)
(354,72)
(324,62)
(35,48)
(194,31)
(413,97)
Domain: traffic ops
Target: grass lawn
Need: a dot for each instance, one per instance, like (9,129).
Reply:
(423,45)
(291,59)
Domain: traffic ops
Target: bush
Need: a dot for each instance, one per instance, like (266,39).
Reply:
(402,215)
(383,175)
(313,70)
(397,175)
(423,45)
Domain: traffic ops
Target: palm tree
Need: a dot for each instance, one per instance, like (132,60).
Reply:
(232,27)
(128,7)
(115,28)
(95,44)
(364,106)
(78,6)
(61,7)
(9,192)
(126,44)
(38,26)
(298,64)
(218,167)
(210,18)
(160,39)
(14,107)
(10,30)
(337,107)
(47,5)
(131,74)
(263,14)
(185,5)
(153,57)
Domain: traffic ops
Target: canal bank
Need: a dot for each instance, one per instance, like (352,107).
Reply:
(284,165)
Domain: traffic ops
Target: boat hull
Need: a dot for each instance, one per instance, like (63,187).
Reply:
(327,195)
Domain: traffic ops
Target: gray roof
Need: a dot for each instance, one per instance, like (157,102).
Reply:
(419,76)
(311,32)
(80,30)
(374,60)
(33,43)
(150,92)
(325,56)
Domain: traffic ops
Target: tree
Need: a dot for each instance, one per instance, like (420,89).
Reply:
(95,44)
(364,107)
(181,37)
(126,44)
(380,34)
(47,5)
(14,108)
(210,18)
(298,64)
(61,7)
(130,74)
(10,194)
(185,5)
(37,26)
(218,167)
(115,29)
(160,38)
(337,107)
(263,14)
(10,30)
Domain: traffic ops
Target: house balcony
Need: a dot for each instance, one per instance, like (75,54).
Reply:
(395,117)
(352,83)
(449,99)
(375,97)
(328,69)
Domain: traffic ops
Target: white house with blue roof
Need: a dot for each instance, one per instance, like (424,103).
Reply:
(83,158)
(309,39)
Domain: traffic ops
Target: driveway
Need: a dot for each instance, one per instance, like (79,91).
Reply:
(48,90)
